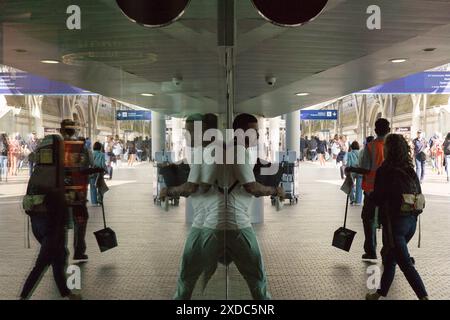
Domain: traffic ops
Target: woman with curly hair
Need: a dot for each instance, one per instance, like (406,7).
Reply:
(395,178)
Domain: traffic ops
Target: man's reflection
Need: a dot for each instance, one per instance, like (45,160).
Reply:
(198,187)
(228,233)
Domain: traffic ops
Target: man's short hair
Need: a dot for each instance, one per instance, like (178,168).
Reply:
(243,121)
(210,121)
(194,117)
(382,127)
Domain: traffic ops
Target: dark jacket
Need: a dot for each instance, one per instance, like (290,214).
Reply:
(390,184)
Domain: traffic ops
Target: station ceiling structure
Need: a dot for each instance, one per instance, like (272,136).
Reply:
(180,66)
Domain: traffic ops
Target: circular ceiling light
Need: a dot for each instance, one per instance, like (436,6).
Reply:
(398,60)
(302,94)
(153,13)
(50,61)
(148,94)
(289,13)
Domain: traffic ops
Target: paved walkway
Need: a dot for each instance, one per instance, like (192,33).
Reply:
(296,245)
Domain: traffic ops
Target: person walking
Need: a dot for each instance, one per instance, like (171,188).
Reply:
(31,146)
(371,159)
(446,150)
(13,154)
(394,180)
(4,146)
(420,148)
(439,153)
(352,160)
(99,161)
(131,153)
(321,150)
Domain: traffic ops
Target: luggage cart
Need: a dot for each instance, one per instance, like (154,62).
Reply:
(168,174)
(162,158)
(289,166)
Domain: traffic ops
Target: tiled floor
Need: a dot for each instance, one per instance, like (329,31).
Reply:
(300,262)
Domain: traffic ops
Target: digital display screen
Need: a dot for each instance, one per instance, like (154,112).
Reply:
(46,156)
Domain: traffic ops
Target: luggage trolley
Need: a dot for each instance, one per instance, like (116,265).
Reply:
(166,173)
(289,166)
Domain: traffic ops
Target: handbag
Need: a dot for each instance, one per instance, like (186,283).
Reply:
(421,156)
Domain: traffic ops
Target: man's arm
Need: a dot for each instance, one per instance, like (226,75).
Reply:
(258,190)
(185,190)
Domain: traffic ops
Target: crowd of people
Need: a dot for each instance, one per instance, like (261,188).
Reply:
(434,152)
(14,152)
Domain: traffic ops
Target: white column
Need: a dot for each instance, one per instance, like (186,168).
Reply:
(293,132)
(274,139)
(263,144)
(158,132)
(177,138)
(416,113)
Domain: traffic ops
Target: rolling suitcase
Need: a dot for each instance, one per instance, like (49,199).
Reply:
(343,237)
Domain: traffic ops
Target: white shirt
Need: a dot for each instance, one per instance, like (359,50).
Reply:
(202,200)
(234,214)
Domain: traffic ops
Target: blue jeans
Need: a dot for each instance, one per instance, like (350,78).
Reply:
(420,169)
(3,166)
(403,229)
(356,195)
(93,189)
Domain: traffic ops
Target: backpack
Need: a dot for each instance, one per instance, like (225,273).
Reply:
(446,147)
(409,192)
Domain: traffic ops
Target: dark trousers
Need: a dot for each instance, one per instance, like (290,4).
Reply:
(370,228)
(420,169)
(53,252)
(80,218)
(395,251)
(30,167)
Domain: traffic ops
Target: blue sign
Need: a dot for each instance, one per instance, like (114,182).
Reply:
(420,83)
(133,115)
(21,83)
(318,114)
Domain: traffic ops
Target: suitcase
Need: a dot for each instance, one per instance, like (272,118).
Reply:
(106,238)
(343,237)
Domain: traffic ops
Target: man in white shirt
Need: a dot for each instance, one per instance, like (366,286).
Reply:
(199,188)
(228,233)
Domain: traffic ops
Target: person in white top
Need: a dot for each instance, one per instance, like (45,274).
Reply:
(199,189)
(228,233)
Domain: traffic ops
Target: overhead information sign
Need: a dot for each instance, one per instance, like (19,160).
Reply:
(133,115)
(318,114)
(437,82)
(22,83)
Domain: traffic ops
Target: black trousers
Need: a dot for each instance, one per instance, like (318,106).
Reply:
(80,218)
(53,252)
(370,228)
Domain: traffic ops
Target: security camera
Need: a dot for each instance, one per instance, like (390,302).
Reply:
(177,81)
(270,80)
